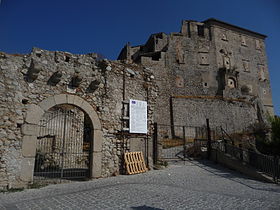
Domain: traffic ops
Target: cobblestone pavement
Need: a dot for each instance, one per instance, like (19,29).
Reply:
(183,185)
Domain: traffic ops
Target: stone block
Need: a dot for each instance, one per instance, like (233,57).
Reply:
(60,99)
(70,99)
(34,114)
(92,114)
(96,165)
(47,103)
(17,184)
(29,146)
(29,129)
(97,140)
(27,167)
(136,144)
(78,101)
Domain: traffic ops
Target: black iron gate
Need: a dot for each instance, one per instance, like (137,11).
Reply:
(179,142)
(63,145)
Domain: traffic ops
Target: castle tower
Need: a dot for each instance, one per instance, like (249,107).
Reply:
(210,69)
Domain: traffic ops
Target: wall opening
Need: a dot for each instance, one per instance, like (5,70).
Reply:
(64,144)
(205,84)
(231,83)
(200,30)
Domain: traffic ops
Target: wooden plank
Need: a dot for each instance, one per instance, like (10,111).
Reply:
(139,158)
(143,162)
(136,162)
(135,169)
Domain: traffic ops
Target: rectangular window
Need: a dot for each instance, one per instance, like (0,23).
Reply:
(203,58)
(243,41)
(205,84)
(258,44)
(224,37)
(226,62)
(200,30)
(250,87)
(246,66)
(261,72)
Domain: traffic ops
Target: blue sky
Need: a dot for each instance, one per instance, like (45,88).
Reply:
(83,26)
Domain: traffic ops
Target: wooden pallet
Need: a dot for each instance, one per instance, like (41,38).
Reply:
(134,162)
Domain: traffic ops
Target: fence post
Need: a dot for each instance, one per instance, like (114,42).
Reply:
(185,143)
(277,169)
(275,163)
(209,139)
(155,143)
(241,152)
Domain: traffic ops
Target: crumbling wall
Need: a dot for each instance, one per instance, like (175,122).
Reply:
(29,79)
(210,59)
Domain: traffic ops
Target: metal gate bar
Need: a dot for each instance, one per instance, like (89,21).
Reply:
(62,149)
(175,141)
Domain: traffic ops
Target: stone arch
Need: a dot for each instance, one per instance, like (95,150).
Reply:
(30,132)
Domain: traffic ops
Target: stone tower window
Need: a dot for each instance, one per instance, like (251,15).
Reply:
(180,57)
(200,30)
(250,88)
(203,58)
(205,85)
(243,41)
(261,73)
(224,37)
(179,81)
(231,83)
(246,65)
(227,62)
(258,44)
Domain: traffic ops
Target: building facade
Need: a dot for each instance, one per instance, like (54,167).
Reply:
(210,69)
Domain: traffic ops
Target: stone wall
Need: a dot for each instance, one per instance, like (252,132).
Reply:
(209,69)
(246,54)
(194,112)
(31,84)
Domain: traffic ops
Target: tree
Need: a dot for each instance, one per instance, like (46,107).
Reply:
(269,144)
(275,135)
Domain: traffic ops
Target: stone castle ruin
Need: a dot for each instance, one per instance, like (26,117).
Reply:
(65,115)
(209,69)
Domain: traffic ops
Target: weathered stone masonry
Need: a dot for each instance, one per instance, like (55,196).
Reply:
(210,69)
(32,84)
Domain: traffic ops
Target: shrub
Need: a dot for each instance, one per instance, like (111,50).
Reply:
(275,135)
(269,144)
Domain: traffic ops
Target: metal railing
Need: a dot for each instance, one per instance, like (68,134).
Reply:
(174,141)
(269,165)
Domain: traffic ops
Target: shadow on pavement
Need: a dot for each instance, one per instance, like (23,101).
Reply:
(227,173)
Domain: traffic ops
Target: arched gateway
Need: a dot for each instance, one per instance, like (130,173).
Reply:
(62,138)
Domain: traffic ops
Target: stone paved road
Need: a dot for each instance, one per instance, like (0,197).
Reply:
(183,185)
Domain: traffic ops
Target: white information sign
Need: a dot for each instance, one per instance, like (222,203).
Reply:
(137,116)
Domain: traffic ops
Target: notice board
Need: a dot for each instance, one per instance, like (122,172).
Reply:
(137,116)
